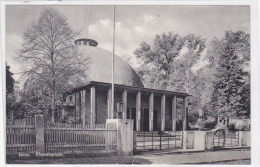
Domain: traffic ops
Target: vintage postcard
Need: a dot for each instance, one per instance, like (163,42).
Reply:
(128,83)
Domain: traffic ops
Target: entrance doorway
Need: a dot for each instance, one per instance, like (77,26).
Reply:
(155,128)
(144,118)
(131,114)
(144,122)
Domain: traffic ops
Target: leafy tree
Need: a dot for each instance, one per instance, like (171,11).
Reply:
(52,62)
(168,63)
(231,95)
(157,60)
(9,80)
(10,99)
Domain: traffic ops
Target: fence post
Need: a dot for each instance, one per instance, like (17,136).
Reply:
(184,140)
(124,135)
(39,134)
(134,141)
(240,135)
(209,140)
(248,136)
(244,138)
(190,139)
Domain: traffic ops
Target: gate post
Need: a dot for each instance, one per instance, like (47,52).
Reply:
(134,141)
(209,137)
(184,139)
(39,134)
(240,134)
(244,138)
(124,135)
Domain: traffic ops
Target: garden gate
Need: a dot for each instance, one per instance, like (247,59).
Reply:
(159,140)
(225,138)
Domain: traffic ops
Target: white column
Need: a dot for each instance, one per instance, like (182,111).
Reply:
(124,99)
(185,114)
(163,112)
(151,116)
(174,113)
(83,107)
(138,110)
(93,105)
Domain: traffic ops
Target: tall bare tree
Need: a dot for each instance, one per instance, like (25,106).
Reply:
(50,56)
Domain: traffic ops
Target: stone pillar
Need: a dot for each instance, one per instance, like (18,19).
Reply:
(174,113)
(151,104)
(39,134)
(248,135)
(240,134)
(209,140)
(199,140)
(244,138)
(93,105)
(190,137)
(185,114)
(83,107)
(124,136)
(163,112)
(124,99)
(135,141)
(184,140)
(109,104)
(138,110)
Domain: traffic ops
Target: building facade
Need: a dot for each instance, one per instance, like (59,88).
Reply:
(151,109)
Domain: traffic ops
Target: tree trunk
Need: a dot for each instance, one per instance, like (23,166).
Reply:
(53,101)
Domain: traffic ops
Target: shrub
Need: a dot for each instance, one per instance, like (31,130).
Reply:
(210,124)
(239,124)
(193,118)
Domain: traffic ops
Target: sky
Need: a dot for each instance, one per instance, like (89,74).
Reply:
(134,24)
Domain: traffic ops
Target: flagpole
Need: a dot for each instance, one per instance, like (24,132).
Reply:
(112,107)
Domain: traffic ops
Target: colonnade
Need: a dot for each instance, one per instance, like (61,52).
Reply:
(81,108)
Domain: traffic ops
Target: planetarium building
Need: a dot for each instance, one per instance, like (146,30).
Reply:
(151,109)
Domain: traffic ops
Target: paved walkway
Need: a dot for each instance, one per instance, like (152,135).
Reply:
(197,158)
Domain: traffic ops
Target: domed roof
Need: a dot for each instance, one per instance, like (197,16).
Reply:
(100,65)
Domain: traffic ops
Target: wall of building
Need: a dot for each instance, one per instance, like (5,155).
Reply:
(101,106)
(87,115)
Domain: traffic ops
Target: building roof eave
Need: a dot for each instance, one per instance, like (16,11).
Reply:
(130,88)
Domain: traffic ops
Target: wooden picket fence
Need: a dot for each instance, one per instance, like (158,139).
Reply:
(49,124)
(84,139)
(20,135)
(24,121)
(60,137)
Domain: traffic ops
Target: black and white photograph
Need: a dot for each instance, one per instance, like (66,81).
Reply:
(127,84)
